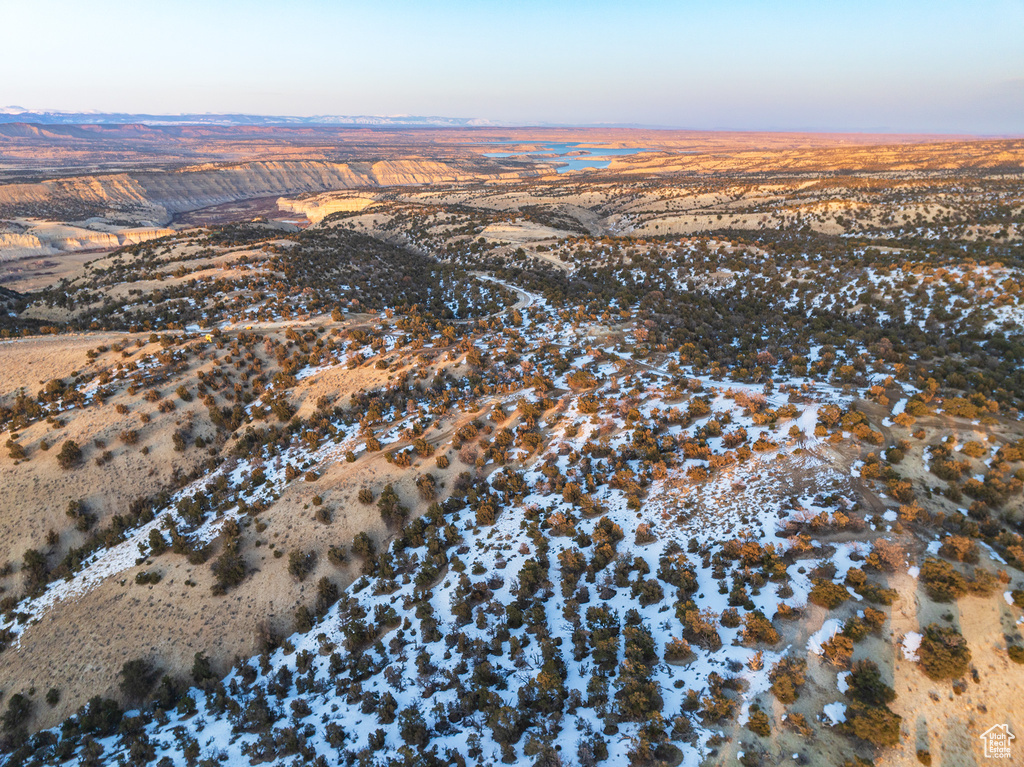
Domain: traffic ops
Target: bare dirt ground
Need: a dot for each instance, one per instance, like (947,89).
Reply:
(936,718)
(35,273)
(72,647)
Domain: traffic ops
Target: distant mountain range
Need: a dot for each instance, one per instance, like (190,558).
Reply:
(17,114)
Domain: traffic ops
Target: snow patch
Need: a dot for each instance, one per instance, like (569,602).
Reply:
(828,630)
(835,712)
(911,643)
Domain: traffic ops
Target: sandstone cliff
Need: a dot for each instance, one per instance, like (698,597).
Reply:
(157,196)
(50,239)
(202,187)
(165,193)
(317,208)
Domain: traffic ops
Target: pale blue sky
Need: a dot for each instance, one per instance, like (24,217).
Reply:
(940,65)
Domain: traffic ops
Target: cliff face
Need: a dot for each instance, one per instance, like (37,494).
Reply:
(165,193)
(191,189)
(119,191)
(400,172)
(53,239)
(316,209)
(157,196)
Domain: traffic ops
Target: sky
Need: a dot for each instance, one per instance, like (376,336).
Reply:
(937,66)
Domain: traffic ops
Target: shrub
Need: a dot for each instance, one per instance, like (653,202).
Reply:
(838,650)
(799,723)
(301,563)
(678,651)
(983,583)
(866,685)
(717,707)
(304,619)
(70,455)
(874,618)
(942,582)
(413,729)
(392,512)
(326,595)
(905,420)
(858,581)
(363,546)
(786,677)
(855,628)
(758,722)
(137,678)
(486,512)
(886,556)
(902,491)
(877,594)
(148,577)
(202,670)
(827,594)
(758,629)
(974,449)
(644,534)
(699,627)
(19,710)
(157,543)
(78,511)
(960,548)
(336,555)
(365,496)
(878,726)
(36,570)
(228,569)
(427,486)
(944,653)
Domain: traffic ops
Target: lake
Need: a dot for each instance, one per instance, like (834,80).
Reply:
(558,151)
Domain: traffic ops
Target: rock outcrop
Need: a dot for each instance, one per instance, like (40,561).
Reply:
(165,193)
(117,190)
(157,196)
(49,239)
(202,187)
(317,208)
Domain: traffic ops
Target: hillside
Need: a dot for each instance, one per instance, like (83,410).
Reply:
(597,467)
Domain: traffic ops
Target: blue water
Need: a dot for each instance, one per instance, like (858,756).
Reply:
(558,150)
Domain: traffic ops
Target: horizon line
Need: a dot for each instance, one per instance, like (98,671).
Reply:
(8,115)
